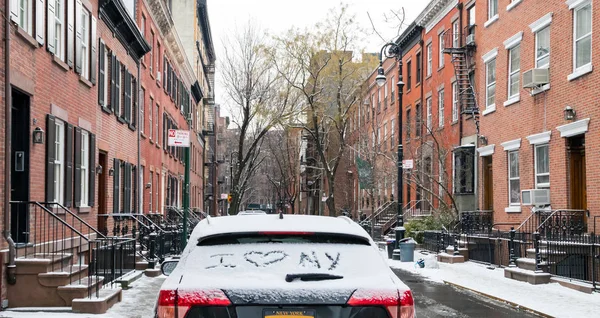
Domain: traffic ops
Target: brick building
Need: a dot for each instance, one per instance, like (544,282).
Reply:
(92,88)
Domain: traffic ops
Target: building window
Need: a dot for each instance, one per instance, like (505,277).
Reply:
(441,50)
(408,124)
(150,197)
(385,135)
(392,132)
(59,161)
(455,102)
(143,109)
(455,34)
(158,60)
(514,71)
(156,123)
(429,115)
(393,89)
(464,170)
(85,168)
(150,108)
(542,48)
(490,84)
(85,44)
(418,67)
(105,76)
(542,166)
(59,31)
(151,52)
(385,96)
(514,182)
(408,75)
(492,8)
(582,45)
(441,108)
(429,59)
(418,116)
(378,100)
(22,16)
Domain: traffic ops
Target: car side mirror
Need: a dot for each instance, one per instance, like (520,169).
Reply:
(168,267)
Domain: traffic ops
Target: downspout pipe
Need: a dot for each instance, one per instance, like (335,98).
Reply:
(11,269)
(139,119)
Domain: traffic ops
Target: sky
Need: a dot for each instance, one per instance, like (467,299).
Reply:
(278,16)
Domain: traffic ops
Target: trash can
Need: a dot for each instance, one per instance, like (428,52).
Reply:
(390,247)
(407,249)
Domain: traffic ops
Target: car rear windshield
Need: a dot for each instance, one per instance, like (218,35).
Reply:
(290,238)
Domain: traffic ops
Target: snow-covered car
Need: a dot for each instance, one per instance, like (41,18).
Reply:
(275,266)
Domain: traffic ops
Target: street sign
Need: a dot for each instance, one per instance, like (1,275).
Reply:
(179,138)
(407,164)
(223,196)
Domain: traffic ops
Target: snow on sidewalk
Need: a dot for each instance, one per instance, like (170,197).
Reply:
(551,299)
(138,302)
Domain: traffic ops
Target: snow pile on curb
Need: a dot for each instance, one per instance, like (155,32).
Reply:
(551,299)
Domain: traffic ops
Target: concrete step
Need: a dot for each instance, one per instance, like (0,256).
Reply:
(449,258)
(573,284)
(524,275)
(462,251)
(97,304)
(531,252)
(141,265)
(38,263)
(80,288)
(63,277)
(529,264)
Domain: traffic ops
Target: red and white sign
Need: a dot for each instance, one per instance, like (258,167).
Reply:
(179,138)
(224,196)
(407,164)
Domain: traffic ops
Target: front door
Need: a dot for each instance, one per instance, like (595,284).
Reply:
(102,181)
(577,173)
(488,184)
(20,167)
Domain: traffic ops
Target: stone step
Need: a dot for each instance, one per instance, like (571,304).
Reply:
(63,277)
(80,288)
(98,303)
(531,252)
(38,263)
(529,264)
(524,275)
(141,265)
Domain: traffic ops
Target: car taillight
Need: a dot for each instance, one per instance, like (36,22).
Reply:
(176,303)
(400,304)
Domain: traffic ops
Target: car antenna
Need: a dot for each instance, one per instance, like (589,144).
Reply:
(281,215)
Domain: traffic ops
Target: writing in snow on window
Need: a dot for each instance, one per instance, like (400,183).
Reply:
(307,259)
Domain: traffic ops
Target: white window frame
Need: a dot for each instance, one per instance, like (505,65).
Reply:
(492,10)
(455,34)
(441,108)
(85,168)
(142,104)
(489,85)
(385,90)
(539,57)
(157,125)
(514,50)
(106,79)
(429,59)
(59,30)
(513,178)
(393,87)
(539,185)
(25,15)
(392,132)
(441,57)
(441,171)
(385,135)
(150,114)
(429,115)
(454,102)
(85,43)
(576,39)
(59,161)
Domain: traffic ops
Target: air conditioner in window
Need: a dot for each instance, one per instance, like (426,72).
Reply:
(158,76)
(535,197)
(471,39)
(536,77)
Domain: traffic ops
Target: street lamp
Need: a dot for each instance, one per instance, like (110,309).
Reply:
(393,50)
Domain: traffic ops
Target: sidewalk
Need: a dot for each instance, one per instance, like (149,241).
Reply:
(549,299)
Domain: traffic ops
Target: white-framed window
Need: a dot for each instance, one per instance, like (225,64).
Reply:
(441,108)
(85,168)
(379,136)
(441,172)
(156,123)
(59,30)
(514,180)
(151,198)
(143,109)
(104,92)
(455,33)
(455,102)
(385,135)
(150,108)
(542,166)
(392,132)
(24,15)
(393,86)
(429,59)
(514,71)
(385,90)
(85,44)
(59,161)
(542,48)
(429,115)
(492,8)
(582,35)
(490,83)
(441,50)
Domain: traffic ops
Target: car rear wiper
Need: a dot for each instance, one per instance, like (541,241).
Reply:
(311,277)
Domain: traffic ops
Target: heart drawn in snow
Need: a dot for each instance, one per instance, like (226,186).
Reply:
(260,259)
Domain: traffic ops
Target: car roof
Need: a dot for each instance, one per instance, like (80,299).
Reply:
(277,222)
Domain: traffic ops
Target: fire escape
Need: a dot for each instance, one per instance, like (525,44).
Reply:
(461,47)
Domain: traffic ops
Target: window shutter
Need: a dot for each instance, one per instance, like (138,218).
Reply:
(116,183)
(94,50)
(40,17)
(77,196)
(92,187)
(70,30)
(117,107)
(51,26)
(134,102)
(134,198)
(164,83)
(165,130)
(101,83)
(127,188)
(113,87)
(50,157)
(78,36)
(14,11)
(68,165)
(128,97)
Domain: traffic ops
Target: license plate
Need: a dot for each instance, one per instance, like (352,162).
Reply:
(289,313)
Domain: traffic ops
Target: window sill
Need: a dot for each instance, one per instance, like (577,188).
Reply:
(131,127)
(454,122)
(513,209)
(60,63)
(27,37)
(120,119)
(491,21)
(106,109)
(151,141)
(151,73)
(157,145)
(441,68)
(143,135)
(512,100)
(85,81)
(512,5)
(580,72)
(144,64)
(540,90)
(85,209)
(490,109)
(158,83)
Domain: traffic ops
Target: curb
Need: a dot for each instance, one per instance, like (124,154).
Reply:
(541,314)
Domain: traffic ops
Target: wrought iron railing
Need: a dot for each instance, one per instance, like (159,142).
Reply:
(476,222)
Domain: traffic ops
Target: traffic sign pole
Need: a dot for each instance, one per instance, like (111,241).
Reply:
(186,195)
